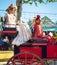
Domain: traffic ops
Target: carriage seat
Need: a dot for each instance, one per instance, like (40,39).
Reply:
(40,40)
(9,30)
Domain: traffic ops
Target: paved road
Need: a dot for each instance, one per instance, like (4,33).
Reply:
(3,63)
(51,63)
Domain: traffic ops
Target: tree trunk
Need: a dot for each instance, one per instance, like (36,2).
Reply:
(19,8)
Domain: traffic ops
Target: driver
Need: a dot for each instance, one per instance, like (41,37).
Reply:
(9,18)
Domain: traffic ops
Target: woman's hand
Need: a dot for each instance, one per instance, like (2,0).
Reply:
(17,23)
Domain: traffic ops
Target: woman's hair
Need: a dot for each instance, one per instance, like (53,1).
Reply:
(37,17)
(11,7)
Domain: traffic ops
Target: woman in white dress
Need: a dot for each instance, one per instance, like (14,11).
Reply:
(24,32)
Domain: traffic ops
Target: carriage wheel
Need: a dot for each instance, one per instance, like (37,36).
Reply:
(25,58)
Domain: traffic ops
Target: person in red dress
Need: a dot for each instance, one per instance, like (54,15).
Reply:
(38,31)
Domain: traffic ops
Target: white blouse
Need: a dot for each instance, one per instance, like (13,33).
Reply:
(10,20)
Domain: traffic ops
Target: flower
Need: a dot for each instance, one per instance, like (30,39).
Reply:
(38,16)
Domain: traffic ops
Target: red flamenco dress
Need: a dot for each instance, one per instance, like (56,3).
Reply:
(38,32)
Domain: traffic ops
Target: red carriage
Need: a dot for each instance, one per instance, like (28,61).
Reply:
(35,51)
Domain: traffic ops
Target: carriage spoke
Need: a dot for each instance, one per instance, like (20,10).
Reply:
(25,58)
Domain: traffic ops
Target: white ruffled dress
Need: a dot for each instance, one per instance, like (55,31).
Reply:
(24,34)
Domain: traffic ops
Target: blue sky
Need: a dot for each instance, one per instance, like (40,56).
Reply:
(29,11)
(4,5)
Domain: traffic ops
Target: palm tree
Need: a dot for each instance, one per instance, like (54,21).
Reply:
(20,2)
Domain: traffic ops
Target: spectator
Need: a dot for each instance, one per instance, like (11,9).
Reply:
(1,42)
(6,44)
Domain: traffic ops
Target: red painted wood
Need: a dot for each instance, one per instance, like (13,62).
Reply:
(35,50)
(52,51)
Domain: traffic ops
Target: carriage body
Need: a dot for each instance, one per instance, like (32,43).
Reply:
(42,49)
(34,53)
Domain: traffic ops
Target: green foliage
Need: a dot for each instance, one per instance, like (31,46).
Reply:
(41,1)
(0,19)
(29,22)
(35,1)
(25,1)
(45,21)
(52,0)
